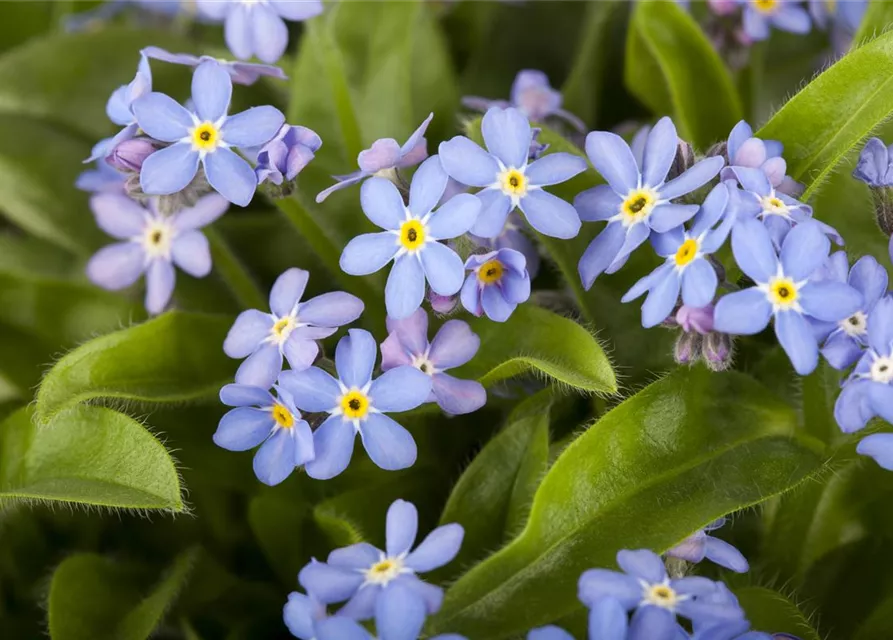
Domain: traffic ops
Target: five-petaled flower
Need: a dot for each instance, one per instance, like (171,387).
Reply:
(412,238)
(785,15)
(454,345)
(205,137)
(745,150)
(497,284)
(507,181)
(700,545)
(356,404)
(286,155)
(291,330)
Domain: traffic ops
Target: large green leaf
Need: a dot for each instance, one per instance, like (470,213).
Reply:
(539,341)
(682,452)
(500,482)
(175,357)
(833,114)
(772,612)
(94,598)
(674,70)
(86,455)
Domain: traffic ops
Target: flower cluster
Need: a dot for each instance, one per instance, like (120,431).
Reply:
(757,18)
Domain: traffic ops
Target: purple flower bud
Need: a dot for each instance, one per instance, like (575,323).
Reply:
(443,305)
(684,160)
(717,351)
(699,320)
(687,348)
(283,157)
(129,155)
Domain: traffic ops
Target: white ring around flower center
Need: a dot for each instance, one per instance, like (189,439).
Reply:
(661,595)
(772,205)
(385,570)
(856,325)
(882,370)
(282,328)
(423,364)
(158,236)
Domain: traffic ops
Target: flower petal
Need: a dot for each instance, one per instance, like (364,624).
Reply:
(880,326)
(804,250)
(596,584)
(313,389)
(160,278)
(725,555)
(466,162)
(660,151)
(669,216)
(753,250)
(299,352)
(368,253)
(550,215)
(212,88)
(612,157)
(795,336)
(598,203)
(229,175)
(694,178)
(554,169)
(443,269)
(287,291)
(333,443)
(428,184)
(329,584)
(551,632)
(190,251)
(497,308)
(333,309)
(355,557)
(699,282)
(268,33)
(869,278)
(388,444)
(243,428)
(841,351)
(507,135)
(712,209)
(495,207)
(607,620)
(118,215)
(642,564)
(405,288)
(470,296)
(169,170)
(382,203)
(661,299)
(202,213)
(162,117)
(237,31)
(117,266)
(653,623)
(275,460)
(400,389)
(455,217)
(242,395)
(299,613)
(383,154)
(247,332)
(458,397)
(829,301)
(454,345)
(399,613)
(437,549)
(600,253)
(880,447)
(402,526)
(252,128)
(852,410)
(261,368)
(742,313)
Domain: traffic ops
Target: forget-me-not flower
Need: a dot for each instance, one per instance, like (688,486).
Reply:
(533,96)
(687,267)
(257,27)
(637,198)
(119,109)
(357,404)
(286,155)
(700,545)
(383,159)
(845,340)
(845,14)
(745,150)
(368,578)
(412,238)
(244,73)
(152,243)
(453,345)
(507,181)
(785,15)
(786,288)
(261,417)
(290,331)
(497,284)
(875,167)
(204,137)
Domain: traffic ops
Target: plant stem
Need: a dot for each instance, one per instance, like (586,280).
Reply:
(234,273)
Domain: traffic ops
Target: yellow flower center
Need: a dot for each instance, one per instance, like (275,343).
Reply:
(283,416)
(661,595)
(412,235)
(383,571)
(205,137)
(638,206)
(687,252)
(765,6)
(490,272)
(514,183)
(773,205)
(783,292)
(354,404)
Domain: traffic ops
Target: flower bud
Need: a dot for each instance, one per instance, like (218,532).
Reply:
(716,351)
(684,160)
(129,155)
(883,208)
(695,320)
(443,305)
(688,348)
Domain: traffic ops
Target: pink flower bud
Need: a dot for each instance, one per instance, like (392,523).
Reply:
(129,155)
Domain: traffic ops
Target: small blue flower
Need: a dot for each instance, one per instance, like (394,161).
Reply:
(497,284)
(119,109)
(152,243)
(454,345)
(846,15)
(786,288)
(301,613)
(645,587)
(779,212)
(875,168)
(687,267)
(699,545)
(244,73)
(386,582)
(412,238)
(290,331)
(257,27)
(533,96)
(636,200)
(356,404)
(261,417)
(785,15)
(507,181)
(744,150)
(205,137)
(845,340)
(512,237)
(383,159)
(286,155)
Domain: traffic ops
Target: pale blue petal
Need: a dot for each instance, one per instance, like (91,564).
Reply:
(596,584)
(457,216)
(611,157)
(268,34)
(399,613)
(443,269)
(495,207)
(647,282)
(229,175)
(261,368)
(300,353)
(643,564)
(507,135)
(237,31)
(400,389)
(333,442)
(212,88)
(247,332)
(753,180)
(208,209)
(829,301)
(160,278)
(190,251)
(550,215)
(287,291)
(275,460)
(388,444)
(428,185)
(669,216)
(881,398)
(554,168)
(694,178)
(744,312)
(405,288)
(252,128)
(454,345)
(162,117)
(118,215)
(355,358)
(470,296)
(437,549)
(725,555)
(412,332)
(117,266)
(402,525)
(869,278)
(753,250)
(299,614)
(552,632)
(653,623)
(333,309)
(338,628)
(600,253)
(242,395)
(880,326)
(659,153)
(368,253)
(804,250)
(458,397)
(169,170)
(712,210)
(495,305)
(243,428)
(329,584)
(635,236)
(792,18)
(382,203)
(699,283)
(880,447)
(607,620)
(667,244)
(739,134)
(598,203)
(661,299)
(795,337)
(852,410)
(841,351)
(466,162)
(515,288)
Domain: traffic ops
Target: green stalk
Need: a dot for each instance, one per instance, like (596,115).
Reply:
(234,273)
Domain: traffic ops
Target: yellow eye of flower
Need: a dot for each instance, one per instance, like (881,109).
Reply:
(283,416)
(687,252)
(355,405)
(514,183)
(783,292)
(662,595)
(412,235)
(638,205)
(765,6)
(490,272)
(205,137)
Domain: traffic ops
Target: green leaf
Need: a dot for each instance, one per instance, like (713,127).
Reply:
(29,256)
(500,482)
(86,455)
(877,19)
(772,612)
(278,524)
(720,440)
(94,598)
(175,357)
(539,341)
(673,69)
(20,21)
(835,112)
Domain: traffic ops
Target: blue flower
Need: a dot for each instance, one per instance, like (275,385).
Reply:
(845,340)
(203,137)
(301,613)
(875,168)
(383,159)
(454,345)
(152,243)
(533,96)
(846,15)
(786,288)
(356,404)
(636,200)
(291,330)
(645,587)
(244,73)
(785,15)
(411,238)
(375,581)
(286,155)
(507,181)
(779,212)
(257,27)
(497,284)
(744,150)
(687,266)
(261,417)
(699,545)
(512,237)
(119,109)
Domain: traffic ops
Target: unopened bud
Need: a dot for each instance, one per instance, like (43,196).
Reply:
(684,160)
(695,319)
(716,351)
(129,155)
(443,305)
(536,148)
(883,208)
(720,149)
(688,348)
